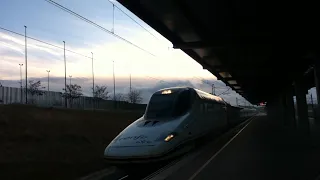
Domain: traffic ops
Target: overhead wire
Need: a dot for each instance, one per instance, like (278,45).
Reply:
(50,44)
(224,92)
(114,5)
(207,83)
(41,41)
(96,25)
(102,28)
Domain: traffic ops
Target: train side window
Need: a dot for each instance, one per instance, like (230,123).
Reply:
(183,103)
(202,107)
(210,106)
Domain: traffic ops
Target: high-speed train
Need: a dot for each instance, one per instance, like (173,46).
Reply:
(173,120)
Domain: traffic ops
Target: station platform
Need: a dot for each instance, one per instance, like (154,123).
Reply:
(262,150)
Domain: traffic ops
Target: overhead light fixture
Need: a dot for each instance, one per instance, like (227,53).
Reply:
(166,92)
(232,82)
(236,87)
(225,74)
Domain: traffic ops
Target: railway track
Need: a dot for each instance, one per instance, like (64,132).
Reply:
(142,172)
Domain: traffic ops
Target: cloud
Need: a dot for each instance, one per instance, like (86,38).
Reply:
(11,47)
(172,64)
(167,63)
(33,45)
(80,37)
(11,38)
(127,59)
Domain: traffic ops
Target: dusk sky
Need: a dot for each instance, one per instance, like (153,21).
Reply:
(50,24)
(165,67)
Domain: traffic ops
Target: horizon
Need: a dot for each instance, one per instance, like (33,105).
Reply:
(147,88)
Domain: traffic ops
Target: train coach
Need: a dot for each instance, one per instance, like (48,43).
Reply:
(174,119)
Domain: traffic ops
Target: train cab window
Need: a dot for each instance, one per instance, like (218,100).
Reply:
(160,106)
(182,104)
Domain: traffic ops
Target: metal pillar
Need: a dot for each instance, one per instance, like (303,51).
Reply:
(316,70)
(271,110)
(276,110)
(290,111)
(302,108)
(282,109)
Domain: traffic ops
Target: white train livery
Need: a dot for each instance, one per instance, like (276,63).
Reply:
(173,120)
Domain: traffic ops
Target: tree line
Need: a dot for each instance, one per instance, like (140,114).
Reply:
(74,91)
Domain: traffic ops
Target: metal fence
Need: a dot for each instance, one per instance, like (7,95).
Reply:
(12,95)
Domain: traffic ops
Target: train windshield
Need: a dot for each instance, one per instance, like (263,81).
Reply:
(168,105)
(182,104)
(161,105)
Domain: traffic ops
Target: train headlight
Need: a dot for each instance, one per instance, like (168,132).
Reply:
(169,137)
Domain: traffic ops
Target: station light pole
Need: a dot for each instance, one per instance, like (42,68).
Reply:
(70,76)
(92,76)
(48,89)
(21,92)
(114,86)
(92,81)
(26,61)
(213,90)
(130,84)
(48,71)
(65,74)
(130,78)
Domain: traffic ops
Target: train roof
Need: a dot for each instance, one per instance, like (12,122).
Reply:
(178,88)
(205,95)
(201,94)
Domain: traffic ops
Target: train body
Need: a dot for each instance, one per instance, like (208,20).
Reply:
(174,119)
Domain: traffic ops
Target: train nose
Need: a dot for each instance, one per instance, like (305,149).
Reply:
(131,146)
(124,152)
(129,140)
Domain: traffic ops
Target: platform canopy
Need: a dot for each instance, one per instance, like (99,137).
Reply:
(258,48)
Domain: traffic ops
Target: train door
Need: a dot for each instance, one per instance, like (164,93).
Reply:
(215,116)
(199,124)
(209,117)
(220,115)
(225,115)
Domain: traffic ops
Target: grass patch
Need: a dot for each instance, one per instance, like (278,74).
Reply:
(49,143)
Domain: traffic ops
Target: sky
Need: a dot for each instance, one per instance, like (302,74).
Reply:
(157,66)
